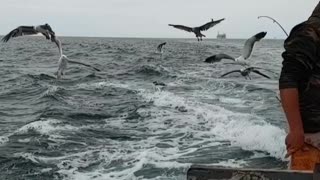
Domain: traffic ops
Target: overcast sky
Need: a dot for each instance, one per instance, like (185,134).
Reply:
(150,18)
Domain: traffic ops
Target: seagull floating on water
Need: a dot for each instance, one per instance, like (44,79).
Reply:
(246,72)
(246,51)
(160,46)
(197,30)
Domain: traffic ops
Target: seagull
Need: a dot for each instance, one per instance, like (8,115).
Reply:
(218,58)
(159,48)
(249,44)
(197,30)
(246,51)
(30,30)
(246,72)
(64,60)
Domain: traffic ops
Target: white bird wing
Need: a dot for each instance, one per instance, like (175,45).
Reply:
(182,27)
(59,45)
(20,31)
(249,44)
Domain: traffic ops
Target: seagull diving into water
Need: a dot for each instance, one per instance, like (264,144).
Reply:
(159,48)
(30,30)
(246,72)
(64,60)
(246,51)
(197,30)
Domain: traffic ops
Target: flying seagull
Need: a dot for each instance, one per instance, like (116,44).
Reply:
(218,58)
(64,60)
(30,30)
(159,48)
(246,72)
(249,44)
(197,30)
(246,50)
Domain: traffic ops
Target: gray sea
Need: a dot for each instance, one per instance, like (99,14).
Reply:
(116,125)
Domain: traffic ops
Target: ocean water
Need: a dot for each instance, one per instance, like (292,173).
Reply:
(116,125)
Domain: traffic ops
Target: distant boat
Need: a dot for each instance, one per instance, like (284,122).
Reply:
(221,36)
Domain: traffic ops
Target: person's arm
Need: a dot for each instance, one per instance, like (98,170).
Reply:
(290,103)
(298,60)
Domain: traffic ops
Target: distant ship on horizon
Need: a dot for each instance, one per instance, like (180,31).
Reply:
(221,36)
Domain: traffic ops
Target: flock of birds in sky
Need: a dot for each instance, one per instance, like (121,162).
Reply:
(63,61)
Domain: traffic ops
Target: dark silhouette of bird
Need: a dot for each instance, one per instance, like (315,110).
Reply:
(218,58)
(246,72)
(45,30)
(197,30)
(160,46)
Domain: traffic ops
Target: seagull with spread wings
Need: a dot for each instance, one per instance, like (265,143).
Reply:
(246,72)
(197,30)
(45,30)
(246,50)
(64,60)
(30,30)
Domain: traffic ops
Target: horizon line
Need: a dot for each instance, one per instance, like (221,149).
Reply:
(124,37)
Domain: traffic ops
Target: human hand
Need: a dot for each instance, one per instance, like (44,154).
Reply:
(294,142)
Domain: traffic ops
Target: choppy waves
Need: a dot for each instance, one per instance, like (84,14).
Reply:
(116,124)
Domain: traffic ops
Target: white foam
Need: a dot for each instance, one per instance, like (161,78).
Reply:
(252,136)
(26,140)
(102,84)
(232,163)
(202,126)
(28,156)
(243,130)
(48,127)
(46,170)
(163,98)
(50,91)
(231,100)
(44,127)
(4,139)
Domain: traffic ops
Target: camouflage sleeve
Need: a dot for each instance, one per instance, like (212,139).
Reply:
(299,57)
